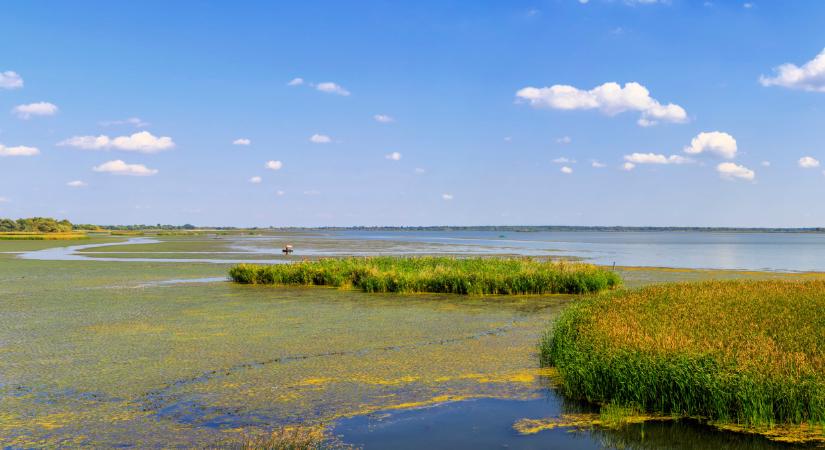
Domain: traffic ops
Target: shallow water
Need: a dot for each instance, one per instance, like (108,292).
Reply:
(149,354)
(487,424)
(700,250)
(786,252)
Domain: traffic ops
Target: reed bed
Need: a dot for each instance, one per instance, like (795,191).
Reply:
(469,276)
(739,352)
(36,236)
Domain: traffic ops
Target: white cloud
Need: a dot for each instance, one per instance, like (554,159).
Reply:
(446,196)
(383,118)
(87,142)
(628,166)
(10,80)
(255,180)
(809,77)
(35,109)
(295,82)
(564,160)
(118,167)
(395,156)
(320,139)
(332,88)
(274,165)
(807,162)
(655,158)
(242,141)
(508,138)
(564,140)
(4,200)
(76,184)
(717,142)
(419,171)
(20,150)
(566,170)
(609,98)
(141,142)
(280,193)
(747,5)
(731,170)
(136,122)
(766,163)
(312,192)
(597,164)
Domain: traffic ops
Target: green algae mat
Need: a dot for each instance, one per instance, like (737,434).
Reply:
(96,354)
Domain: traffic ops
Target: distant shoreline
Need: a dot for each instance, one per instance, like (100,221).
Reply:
(491,228)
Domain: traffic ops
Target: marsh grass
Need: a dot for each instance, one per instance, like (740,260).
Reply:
(474,276)
(741,352)
(288,438)
(36,236)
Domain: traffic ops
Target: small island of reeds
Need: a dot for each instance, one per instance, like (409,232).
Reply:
(747,354)
(470,276)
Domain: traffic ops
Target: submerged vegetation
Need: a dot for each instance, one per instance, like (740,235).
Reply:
(750,353)
(475,276)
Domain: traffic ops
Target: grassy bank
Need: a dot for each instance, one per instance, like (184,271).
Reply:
(35,236)
(476,276)
(740,352)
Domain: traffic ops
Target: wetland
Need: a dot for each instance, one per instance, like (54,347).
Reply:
(143,342)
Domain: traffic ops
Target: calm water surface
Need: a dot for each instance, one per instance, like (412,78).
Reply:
(695,250)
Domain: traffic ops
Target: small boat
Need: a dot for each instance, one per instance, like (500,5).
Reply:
(287,249)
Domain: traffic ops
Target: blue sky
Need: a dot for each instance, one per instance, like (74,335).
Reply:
(133,108)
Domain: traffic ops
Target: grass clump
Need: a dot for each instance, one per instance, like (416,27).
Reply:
(741,352)
(474,276)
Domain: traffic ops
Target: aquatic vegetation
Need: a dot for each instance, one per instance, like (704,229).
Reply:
(747,353)
(288,438)
(475,276)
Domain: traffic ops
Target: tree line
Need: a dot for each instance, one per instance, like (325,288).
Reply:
(36,225)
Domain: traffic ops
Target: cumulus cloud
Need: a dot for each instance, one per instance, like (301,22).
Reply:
(654,158)
(295,82)
(717,142)
(280,193)
(332,88)
(566,170)
(255,180)
(320,139)
(628,166)
(597,164)
(383,118)
(136,122)
(731,171)
(35,109)
(76,184)
(419,171)
(446,196)
(564,160)
(809,77)
(242,141)
(20,150)
(609,98)
(10,80)
(394,156)
(118,167)
(766,163)
(564,140)
(807,162)
(274,165)
(141,142)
